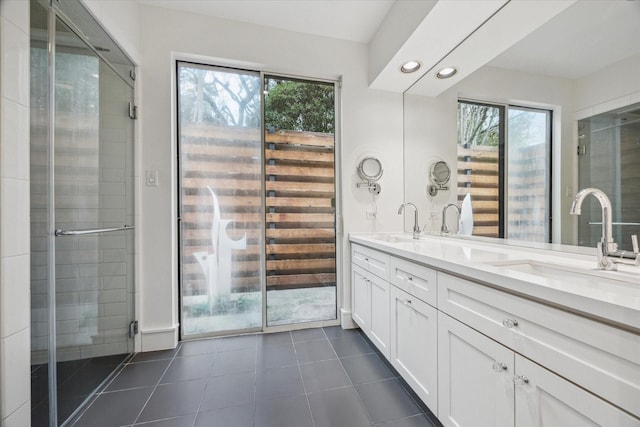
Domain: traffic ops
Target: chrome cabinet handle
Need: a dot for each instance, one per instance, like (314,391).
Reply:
(520,380)
(499,366)
(510,323)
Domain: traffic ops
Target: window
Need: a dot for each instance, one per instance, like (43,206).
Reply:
(504,164)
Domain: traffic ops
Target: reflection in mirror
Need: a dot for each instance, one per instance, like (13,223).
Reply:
(510,188)
(610,142)
(581,63)
(439,176)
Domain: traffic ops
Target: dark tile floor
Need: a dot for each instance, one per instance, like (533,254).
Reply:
(77,380)
(315,377)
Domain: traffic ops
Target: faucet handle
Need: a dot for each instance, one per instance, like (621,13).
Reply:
(634,243)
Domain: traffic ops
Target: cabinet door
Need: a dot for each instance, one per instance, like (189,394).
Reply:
(545,399)
(414,340)
(475,377)
(360,297)
(379,324)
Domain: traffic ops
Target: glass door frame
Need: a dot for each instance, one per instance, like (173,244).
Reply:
(337,151)
(339,237)
(339,250)
(179,204)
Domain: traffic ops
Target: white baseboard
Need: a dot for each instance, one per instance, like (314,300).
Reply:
(346,320)
(159,339)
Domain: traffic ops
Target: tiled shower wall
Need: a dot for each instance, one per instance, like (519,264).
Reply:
(94,273)
(14,213)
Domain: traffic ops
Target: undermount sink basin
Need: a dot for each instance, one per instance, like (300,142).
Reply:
(389,238)
(564,272)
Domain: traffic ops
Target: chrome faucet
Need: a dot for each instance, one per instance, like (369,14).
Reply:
(416,228)
(444,229)
(608,253)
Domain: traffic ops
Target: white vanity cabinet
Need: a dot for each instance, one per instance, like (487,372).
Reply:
(598,357)
(480,353)
(361,297)
(414,354)
(415,279)
(475,378)
(483,383)
(543,398)
(370,295)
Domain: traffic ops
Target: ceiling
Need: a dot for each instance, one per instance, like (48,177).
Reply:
(572,44)
(353,20)
(586,37)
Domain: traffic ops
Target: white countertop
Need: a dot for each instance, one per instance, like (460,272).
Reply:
(559,278)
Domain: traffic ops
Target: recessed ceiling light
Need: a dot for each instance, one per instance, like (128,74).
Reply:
(410,66)
(446,72)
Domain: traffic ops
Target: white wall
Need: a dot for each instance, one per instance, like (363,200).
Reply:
(430,125)
(371,122)
(612,87)
(430,134)
(121,19)
(14,214)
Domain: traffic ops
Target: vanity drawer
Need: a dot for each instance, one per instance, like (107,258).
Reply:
(415,279)
(371,260)
(598,357)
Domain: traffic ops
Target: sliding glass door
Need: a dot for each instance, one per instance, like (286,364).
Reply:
(504,169)
(300,200)
(257,200)
(221,227)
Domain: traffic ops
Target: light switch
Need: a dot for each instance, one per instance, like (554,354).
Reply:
(152,178)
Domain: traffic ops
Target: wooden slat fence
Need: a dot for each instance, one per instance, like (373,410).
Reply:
(299,238)
(300,218)
(478,174)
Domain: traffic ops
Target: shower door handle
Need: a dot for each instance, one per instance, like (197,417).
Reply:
(60,232)
(614,223)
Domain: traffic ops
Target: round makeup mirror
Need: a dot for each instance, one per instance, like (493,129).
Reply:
(439,175)
(370,169)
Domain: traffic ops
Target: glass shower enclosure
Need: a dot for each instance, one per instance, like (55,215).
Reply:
(609,159)
(82,209)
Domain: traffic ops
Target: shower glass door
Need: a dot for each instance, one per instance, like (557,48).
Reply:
(82,197)
(609,159)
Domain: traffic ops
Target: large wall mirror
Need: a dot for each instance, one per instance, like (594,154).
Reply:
(554,112)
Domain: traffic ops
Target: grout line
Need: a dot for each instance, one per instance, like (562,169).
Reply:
(255,383)
(74,420)
(306,395)
(158,383)
(206,384)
